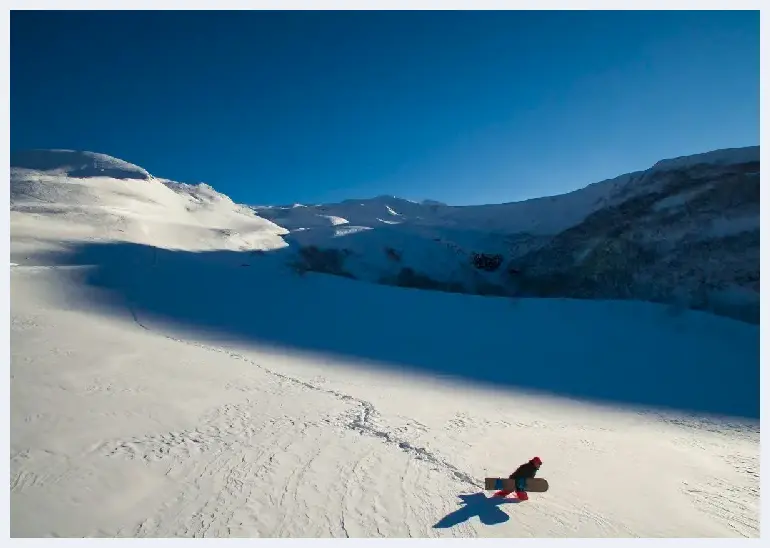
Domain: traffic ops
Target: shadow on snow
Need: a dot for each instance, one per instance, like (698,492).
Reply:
(478,504)
(611,352)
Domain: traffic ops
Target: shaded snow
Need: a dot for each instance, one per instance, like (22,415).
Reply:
(294,403)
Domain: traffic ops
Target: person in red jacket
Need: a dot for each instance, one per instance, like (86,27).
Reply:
(521,475)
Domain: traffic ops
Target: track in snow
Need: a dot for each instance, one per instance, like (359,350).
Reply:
(132,432)
(362,418)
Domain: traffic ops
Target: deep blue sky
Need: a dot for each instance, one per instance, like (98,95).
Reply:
(464,107)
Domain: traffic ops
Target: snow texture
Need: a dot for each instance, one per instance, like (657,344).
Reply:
(171,376)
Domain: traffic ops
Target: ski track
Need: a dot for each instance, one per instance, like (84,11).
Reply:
(362,418)
(250,467)
(225,435)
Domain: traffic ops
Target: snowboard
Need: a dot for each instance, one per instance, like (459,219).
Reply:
(534,485)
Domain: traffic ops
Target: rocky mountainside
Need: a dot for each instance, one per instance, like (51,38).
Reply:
(688,234)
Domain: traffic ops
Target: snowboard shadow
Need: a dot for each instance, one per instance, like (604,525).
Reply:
(478,504)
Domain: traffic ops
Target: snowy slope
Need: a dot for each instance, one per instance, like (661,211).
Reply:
(188,397)
(382,210)
(166,380)
(56,203)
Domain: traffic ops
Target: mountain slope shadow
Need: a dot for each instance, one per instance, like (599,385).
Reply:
(478,504)
(621,352)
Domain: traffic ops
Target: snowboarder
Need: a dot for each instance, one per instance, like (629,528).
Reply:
(521,475)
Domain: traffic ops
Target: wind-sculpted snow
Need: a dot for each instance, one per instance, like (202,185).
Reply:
(78,164)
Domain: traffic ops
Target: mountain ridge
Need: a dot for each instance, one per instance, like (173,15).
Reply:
(685,231)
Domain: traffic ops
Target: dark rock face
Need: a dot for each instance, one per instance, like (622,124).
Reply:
(688,237)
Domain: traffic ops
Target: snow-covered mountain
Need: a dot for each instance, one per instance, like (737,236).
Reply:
(160,389)
(684,232)
(67,196)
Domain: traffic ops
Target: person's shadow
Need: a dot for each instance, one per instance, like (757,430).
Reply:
(477,504)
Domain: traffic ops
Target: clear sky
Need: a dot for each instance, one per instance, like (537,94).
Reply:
(463,107)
